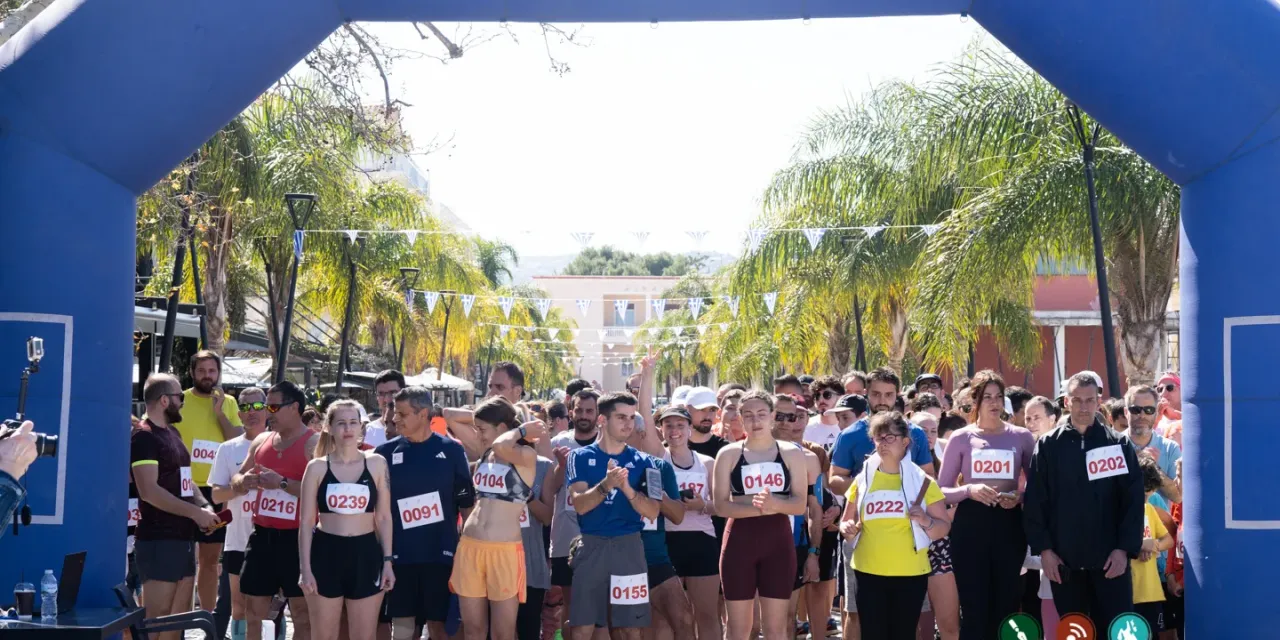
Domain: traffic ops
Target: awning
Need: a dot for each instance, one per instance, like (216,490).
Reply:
(446,382)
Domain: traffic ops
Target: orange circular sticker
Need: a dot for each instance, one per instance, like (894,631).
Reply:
(1076,626)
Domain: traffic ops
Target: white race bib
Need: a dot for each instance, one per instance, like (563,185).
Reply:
(649,525)
(188,487)
(246,506)
(491,477)
(991,464)
(397,457)
(629,589)
(1146,525)
(203,451)
(524,517)
(347,499)
(884,504)
(277,503)
(693,481)
(762,477)
(420,510)
(1105,462)
(568,500)
(135,514)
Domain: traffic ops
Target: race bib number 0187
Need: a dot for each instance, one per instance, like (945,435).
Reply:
(695,482)
(629,589)
(188,487)
(1105,462)
(762,477)
(884,504)
(347,498)
(276,503)
(991,464)
(420,510)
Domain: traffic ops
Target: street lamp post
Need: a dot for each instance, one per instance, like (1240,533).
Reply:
(179,256)
(301,206)
(409,278)
(353,251)
(447,295)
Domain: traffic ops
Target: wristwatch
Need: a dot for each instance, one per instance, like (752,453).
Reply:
(388,558)
(284,484)
(813,551)
(524,433)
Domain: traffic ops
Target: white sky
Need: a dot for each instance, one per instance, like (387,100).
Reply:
(665,129)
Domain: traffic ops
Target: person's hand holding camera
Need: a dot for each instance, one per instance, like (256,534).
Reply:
(17,451)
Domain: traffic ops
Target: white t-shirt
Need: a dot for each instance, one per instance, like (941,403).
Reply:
(226,463)
(822,434)
(375,433)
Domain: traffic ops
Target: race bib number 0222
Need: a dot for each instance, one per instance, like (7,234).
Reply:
(884,504)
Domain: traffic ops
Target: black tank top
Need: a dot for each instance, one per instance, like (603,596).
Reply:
(737,484)
(499,481)
(348,497)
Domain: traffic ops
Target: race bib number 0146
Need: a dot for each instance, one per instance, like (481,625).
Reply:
(991,464)
(276,503)
(629,589)
(884,504)
(420,510)
(762,477)
(1105,462)
(347,498)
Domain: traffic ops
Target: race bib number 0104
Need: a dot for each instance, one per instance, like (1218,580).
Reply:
(203,451)
(188,487)
(991,464)
(762,477)
(347,498)
(491,478)
(884,504)
(1105,462)
(277,503)
(420,510)
(629,589)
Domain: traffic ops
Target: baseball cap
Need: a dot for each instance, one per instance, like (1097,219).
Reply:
(701,398)
(678,396)
(676,412)
(1170,378)
(928,377)
(852,402)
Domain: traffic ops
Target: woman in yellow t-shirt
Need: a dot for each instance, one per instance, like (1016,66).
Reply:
(894,511)
(1148,591)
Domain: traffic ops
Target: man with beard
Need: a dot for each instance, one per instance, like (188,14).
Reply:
(700,402)
(209,418)
(823,428)
(1142,404)
(230,607)
(385,387)
(506,381)
(172,510)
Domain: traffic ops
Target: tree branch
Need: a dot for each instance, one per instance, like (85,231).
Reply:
(386,83)
(455,51)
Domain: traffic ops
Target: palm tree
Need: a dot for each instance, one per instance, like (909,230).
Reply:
(496,258)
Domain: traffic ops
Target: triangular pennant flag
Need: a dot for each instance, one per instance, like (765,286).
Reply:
(702,329)
(582,237)
(544,305)
(641,236)
(297,245)
(733,304)
(659,307)
(770,299)
(695,307)
(609,345)
(583,305)
(468,299)
(754,238)
(697,237)
(724,326)
(506,302)
(628,332)
(408,299)
(621,307)
(503,329)
(602,332)
(412,235)
(432,298)
(814,236)
(930,229)
(872,231)
(352,234)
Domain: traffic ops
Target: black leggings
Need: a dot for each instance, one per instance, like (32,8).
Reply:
(889,606)
(988,546)
(529,617)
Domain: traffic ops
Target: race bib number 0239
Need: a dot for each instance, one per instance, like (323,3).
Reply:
(347,498)
(762,477)
(991,464)
(1105,462)
(629,589)
(884,504)
(420,510)
(276,503)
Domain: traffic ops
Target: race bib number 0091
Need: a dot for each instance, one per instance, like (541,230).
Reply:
(277,503)
(762,477)
(347,498)
(188,487)
(884,504)
(991,464)
(1105,462)
(629,589)
(420,510)
(203,451)
(491,478)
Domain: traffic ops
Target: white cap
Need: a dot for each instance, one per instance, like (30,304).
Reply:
(680,394)
(1008,405)
(701,398)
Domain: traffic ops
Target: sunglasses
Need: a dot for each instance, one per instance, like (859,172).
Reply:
(254,406)
(272,408)
(1167,387)
(1151,411)
(829,394)
(786,417)
(179,396)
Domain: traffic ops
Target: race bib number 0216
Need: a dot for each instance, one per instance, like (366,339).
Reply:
(884,504)
(420,510)
(991,464)
(629,589)
(762,477)
(276,503)
(347,498)
(1105,462)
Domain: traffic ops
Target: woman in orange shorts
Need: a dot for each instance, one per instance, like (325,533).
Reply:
(488,567)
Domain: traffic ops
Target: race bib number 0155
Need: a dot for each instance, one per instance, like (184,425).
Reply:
(420,510)
(188,487)
(762,477)
(629,589)
(991,464)
(884,504)
(347,498)
(1105,462)
(276,503)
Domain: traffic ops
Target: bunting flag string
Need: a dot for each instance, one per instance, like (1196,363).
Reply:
(412,235)
(695,307)
(620,306)
(733,304)
(544,306)
(467,301)
(640,237)
(659,306)
(770,299)
(583,305)
(297,245)
(754,238)
(506,302)
(814,236)
(408,299)
(582,237)
(697,237)
(432,297)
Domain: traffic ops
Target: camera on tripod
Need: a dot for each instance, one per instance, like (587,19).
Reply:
(46,445)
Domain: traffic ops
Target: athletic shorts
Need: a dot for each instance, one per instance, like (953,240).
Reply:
(233,562)
(802,556)
(271,563)
(219,535)
(660,573)
(1154,613)
(940,556)
(346,567)
(757,558)
(693,553)
(492,570)
(165,560)
(421,591)
(827,556)
(561,572)
(610,583)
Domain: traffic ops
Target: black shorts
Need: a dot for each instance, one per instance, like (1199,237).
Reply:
(233,562)
(940,556)
(802,556)
(271,563)
(346,567)
(660,573)
(1154,614)
(693,553)
(421,591)
(561,572)
(165,560)
(219,535)
(827,555)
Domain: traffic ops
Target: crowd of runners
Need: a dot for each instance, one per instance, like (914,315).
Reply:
(732,513)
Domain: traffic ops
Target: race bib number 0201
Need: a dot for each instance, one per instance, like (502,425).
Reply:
(188,487)
(491,478)
(420,510)
(277,503)
(884,504)
(1105,462)
(762,477)
(629,589)
(991,464)
(347,498)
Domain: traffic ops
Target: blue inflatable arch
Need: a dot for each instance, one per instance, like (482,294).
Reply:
(99,99)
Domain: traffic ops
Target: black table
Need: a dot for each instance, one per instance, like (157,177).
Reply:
(80,624)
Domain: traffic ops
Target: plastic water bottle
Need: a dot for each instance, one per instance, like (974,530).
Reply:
(48,597)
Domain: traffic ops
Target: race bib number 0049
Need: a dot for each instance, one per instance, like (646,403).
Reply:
(762,477)
(884,504)
(420,510)
(991,464)
(203,451)
(491,478)
(188,487)
(277,503)
(1105,462)
(629,589)
(347,498)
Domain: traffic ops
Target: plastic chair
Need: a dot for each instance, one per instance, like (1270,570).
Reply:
(202,620)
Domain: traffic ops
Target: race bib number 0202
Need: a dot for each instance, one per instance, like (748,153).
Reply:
(188,487)
(347,498)
(762,477)
(1105,462)
(491,478)
(277,503)
(884,504)
(991,464)
(420,510)
(203,451)
(629,589)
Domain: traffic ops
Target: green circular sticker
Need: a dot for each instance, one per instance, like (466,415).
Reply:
(1129,626)
(1020,626)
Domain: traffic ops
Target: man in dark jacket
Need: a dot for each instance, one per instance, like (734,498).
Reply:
(1083,509)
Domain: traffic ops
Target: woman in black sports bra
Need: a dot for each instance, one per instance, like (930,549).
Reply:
(759,485)
(346,557)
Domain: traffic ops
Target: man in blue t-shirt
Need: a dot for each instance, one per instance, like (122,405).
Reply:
(430,485)
(609,486)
